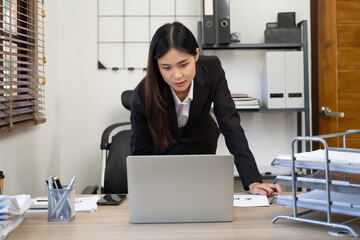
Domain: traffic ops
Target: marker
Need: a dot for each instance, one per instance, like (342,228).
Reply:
(57,183)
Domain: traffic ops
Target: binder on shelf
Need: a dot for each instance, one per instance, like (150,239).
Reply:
(294,79)
(223,22)
(208,22)
(273,87)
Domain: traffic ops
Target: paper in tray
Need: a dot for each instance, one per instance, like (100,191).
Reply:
(343,203)
(341,161)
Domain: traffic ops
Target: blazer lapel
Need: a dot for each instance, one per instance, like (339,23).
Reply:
(172,116)
(201,93)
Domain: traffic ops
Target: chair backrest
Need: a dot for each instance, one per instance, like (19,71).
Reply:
(126,97)
(115,177)
(115,180)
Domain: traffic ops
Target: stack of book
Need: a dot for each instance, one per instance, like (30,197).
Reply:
(12,212)
(244,101)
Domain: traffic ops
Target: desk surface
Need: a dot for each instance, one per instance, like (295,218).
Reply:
(112,222)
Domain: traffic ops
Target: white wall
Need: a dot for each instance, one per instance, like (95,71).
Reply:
(81,100)
(90,97)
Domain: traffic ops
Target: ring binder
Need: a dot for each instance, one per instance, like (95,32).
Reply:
(223,22)
(208,22)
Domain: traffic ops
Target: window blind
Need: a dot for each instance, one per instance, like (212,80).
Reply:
(22,79)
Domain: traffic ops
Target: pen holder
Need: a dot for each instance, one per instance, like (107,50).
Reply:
(61,204)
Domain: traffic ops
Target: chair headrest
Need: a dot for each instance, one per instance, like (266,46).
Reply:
(126,98)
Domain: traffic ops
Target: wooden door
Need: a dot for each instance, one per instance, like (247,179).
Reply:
(336,67)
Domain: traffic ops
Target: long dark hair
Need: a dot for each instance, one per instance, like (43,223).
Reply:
(171,35)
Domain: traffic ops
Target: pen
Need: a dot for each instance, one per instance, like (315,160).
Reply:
(71,183)
(50,183)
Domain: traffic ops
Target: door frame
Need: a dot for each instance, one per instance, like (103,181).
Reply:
(314,70)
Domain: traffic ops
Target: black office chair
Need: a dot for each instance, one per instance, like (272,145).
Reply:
(114,175)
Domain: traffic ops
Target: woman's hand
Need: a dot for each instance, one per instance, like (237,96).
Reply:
(265,189)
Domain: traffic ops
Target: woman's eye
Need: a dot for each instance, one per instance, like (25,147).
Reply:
(166,68)
(183,65)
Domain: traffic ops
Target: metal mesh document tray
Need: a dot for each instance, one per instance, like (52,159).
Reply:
(327,193)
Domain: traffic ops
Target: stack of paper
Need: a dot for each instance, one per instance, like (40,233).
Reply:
(343,161)
(12,212)
(244,101)
(336,157)
(343,203)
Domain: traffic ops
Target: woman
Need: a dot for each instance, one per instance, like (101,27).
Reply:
(171,105)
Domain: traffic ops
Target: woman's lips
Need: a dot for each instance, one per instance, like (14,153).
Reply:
(180,84)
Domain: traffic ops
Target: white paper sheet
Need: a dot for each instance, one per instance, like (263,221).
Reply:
(251,201)
(82,204)
(86,204)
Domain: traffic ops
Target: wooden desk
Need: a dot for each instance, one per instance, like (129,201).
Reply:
(112,222)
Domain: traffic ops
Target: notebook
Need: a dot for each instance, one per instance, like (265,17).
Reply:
(180,188)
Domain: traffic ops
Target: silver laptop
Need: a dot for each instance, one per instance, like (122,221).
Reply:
(180,188)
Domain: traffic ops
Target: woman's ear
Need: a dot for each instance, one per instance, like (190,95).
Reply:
(197,54)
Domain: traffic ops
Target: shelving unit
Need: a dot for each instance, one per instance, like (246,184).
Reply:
(328,195)
(253,46)
(273,46)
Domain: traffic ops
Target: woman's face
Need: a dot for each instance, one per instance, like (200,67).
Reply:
(178,70)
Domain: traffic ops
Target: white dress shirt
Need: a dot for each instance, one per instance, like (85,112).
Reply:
(183,108)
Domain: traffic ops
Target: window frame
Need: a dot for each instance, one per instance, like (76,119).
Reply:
(22,80)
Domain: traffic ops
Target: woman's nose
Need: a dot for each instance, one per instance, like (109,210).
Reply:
(177,73)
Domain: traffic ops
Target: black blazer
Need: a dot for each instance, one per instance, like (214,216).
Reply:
(200,135)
